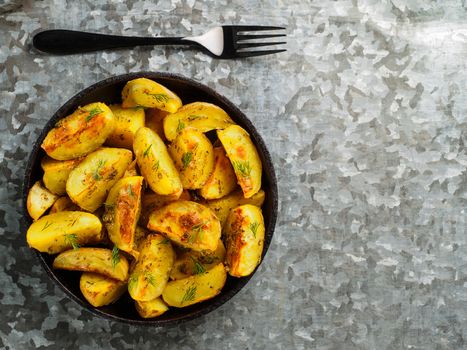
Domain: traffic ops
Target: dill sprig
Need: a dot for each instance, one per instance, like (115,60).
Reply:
(47,224)
(254,228)
(150,279)
(189,294)
(192,117)
(198,267)
(161,98)
(115,256)
(197,232)
(180,126)
(165,241)
(93,112)
(243,168)
(132,281)
(186,159)
(72,240)
(130,191)
(97,176)
(155,166)
(146,152)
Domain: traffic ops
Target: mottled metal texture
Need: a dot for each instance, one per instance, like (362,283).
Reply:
(366,119)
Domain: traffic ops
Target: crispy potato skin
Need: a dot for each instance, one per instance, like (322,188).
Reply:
(39,200)
(79,133)
(151,272)
(244,237)
(56,173)
(122,211)
(244,158)
(147,93)
(151,308)
(155,164)
(221,207)
(63,204)
(193,156)
(202,116)
(90,182)
(155,121)
(55,233)
(100,290)
(152,201)
(97,260)
(187,223)
(222,180)
(127,123)
(197,288)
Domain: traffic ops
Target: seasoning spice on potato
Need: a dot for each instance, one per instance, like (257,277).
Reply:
(127,122)
(63,204)
(193,156)
(152,201)
(244,158)
(56,173)
(80,133)
(39,200)
(201,116)
(151,308)
(244,237)
(187,223)
(100,290)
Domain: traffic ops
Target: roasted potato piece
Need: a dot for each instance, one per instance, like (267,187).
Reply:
(39,200)
(100,290)
(202,116)
(155,121)
(189,224)
(63,204)
(222,180)
(197,288)
(57,232)
(99,260)
(151,271)
(193,157)
(127,123)
(192,263)
(151,308)
(244,158)
(221,207)
(155,164)
(56,173)
(122,210)
(147,93)
(131,170)
(90,182)
(79,133)
(152,201)
(244,237)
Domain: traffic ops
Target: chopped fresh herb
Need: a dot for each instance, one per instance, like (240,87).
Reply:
(254,228)
(186,159)
(115,256)
(180,126)
(189,294)
(198,268)
(194,117)
(132,281)
(165,241)
(74,222)
(92,113)
(130,191)
(47,224)
(197,232)
(72,240)
(243,168)
(146,152)
(97,176)
(155,166)
(150,278)
(161,98)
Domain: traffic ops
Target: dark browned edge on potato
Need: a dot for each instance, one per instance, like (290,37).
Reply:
(189,90)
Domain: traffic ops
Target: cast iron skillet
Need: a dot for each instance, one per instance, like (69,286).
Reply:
(108,91)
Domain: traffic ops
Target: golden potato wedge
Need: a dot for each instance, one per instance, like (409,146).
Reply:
(57,232)
(63,204)
(56,173)
(151,271)
(100,290)
(194,263)
(155,121)
(151,308)
(152,201)
(155,163)
(244,237)
(197,288)
(222,180)
(79,133)
(147,93)
(193,157)
(90,182)
(244,158)
(187,223)
(221,207)
(122,210)
(127,123)
(131,170)
(39,200)
(103,261)
(202,116)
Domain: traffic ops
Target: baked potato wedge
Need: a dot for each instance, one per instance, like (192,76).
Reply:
(151,272)
(201,116)
(222,206)
(152,201)
(151,308)
(110,263)
(89,183)
(55,233)
(244,237)
(155,164)
(193,157)
(127,123)
(80,133)
(222,180)
(155,121)
(244,158)
(191,263)
(197,288)
(100,290)
(122,210)
(187,223)
(39,200)
(56,173)
(63,204)
(147,93)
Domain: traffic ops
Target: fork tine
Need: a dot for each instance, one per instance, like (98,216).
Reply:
(244,46)
(246,54)
(262,36)
(255,28)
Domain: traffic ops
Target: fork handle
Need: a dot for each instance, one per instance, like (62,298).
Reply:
(58,41)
